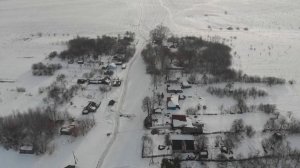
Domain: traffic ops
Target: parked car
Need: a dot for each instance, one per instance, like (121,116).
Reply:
(81,81)
(85,111)
(124,66)
(203,154)
(67,129)
(71,61)
(185,85)
(108,72)
(111,102)
(174,91)
(116,83)
(105,81)
(26,149)
(91,107)
(119,63)
(182,97)
(80,62)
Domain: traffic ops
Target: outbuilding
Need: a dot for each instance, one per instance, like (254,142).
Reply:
(26,149)
(172,102)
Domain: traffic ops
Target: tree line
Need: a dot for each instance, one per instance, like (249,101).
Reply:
(104,45)
(195,55)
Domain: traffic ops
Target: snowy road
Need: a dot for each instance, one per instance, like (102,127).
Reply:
(126,148)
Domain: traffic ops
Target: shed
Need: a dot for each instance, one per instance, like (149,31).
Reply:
(183,143)
(172,102)
(26,149)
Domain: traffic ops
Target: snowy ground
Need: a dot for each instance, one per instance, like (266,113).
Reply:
(30,29)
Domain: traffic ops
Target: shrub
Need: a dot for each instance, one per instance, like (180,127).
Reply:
(40,69)
(85,124)
(267,108)
(191,111)
(168,163)
(21,89)
(52,55)
(238,126)
(148,122)
(154,131)
(249,130)
(168,140)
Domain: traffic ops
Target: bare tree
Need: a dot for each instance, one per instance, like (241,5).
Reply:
(147,105)
(159,34)
(202,142)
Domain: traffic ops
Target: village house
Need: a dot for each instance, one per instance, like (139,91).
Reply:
(183,143)
(172,102)
(185,124)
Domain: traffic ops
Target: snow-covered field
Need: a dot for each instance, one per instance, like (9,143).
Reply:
(30,29)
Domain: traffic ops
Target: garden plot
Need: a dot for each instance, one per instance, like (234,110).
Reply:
(161,120)
(155,147)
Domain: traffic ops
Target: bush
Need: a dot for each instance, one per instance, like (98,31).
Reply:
(52,55)
(168,140)
(191,111)
(168,163)
(267,108)
(238,126)
(249,131)
(40,69)
(148,122)
(21,89)
(58,93)
(85,124)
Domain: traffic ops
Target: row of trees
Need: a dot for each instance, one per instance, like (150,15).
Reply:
(242,107)
(192,53)
(195,55)
(286,160)
(239,93)
(105,45)
(40,69)
(237,76)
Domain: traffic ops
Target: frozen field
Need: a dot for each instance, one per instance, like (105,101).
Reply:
(30,29)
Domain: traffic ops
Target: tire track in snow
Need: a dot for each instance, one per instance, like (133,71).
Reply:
(139,47)
(171,17)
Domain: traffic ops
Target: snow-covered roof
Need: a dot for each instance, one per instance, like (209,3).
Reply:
(185,83)
(173,101)
(178,123)
(181,137)
(112,65)
(189,123)
(26,147)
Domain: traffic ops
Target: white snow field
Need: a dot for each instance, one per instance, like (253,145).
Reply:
(30,29)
